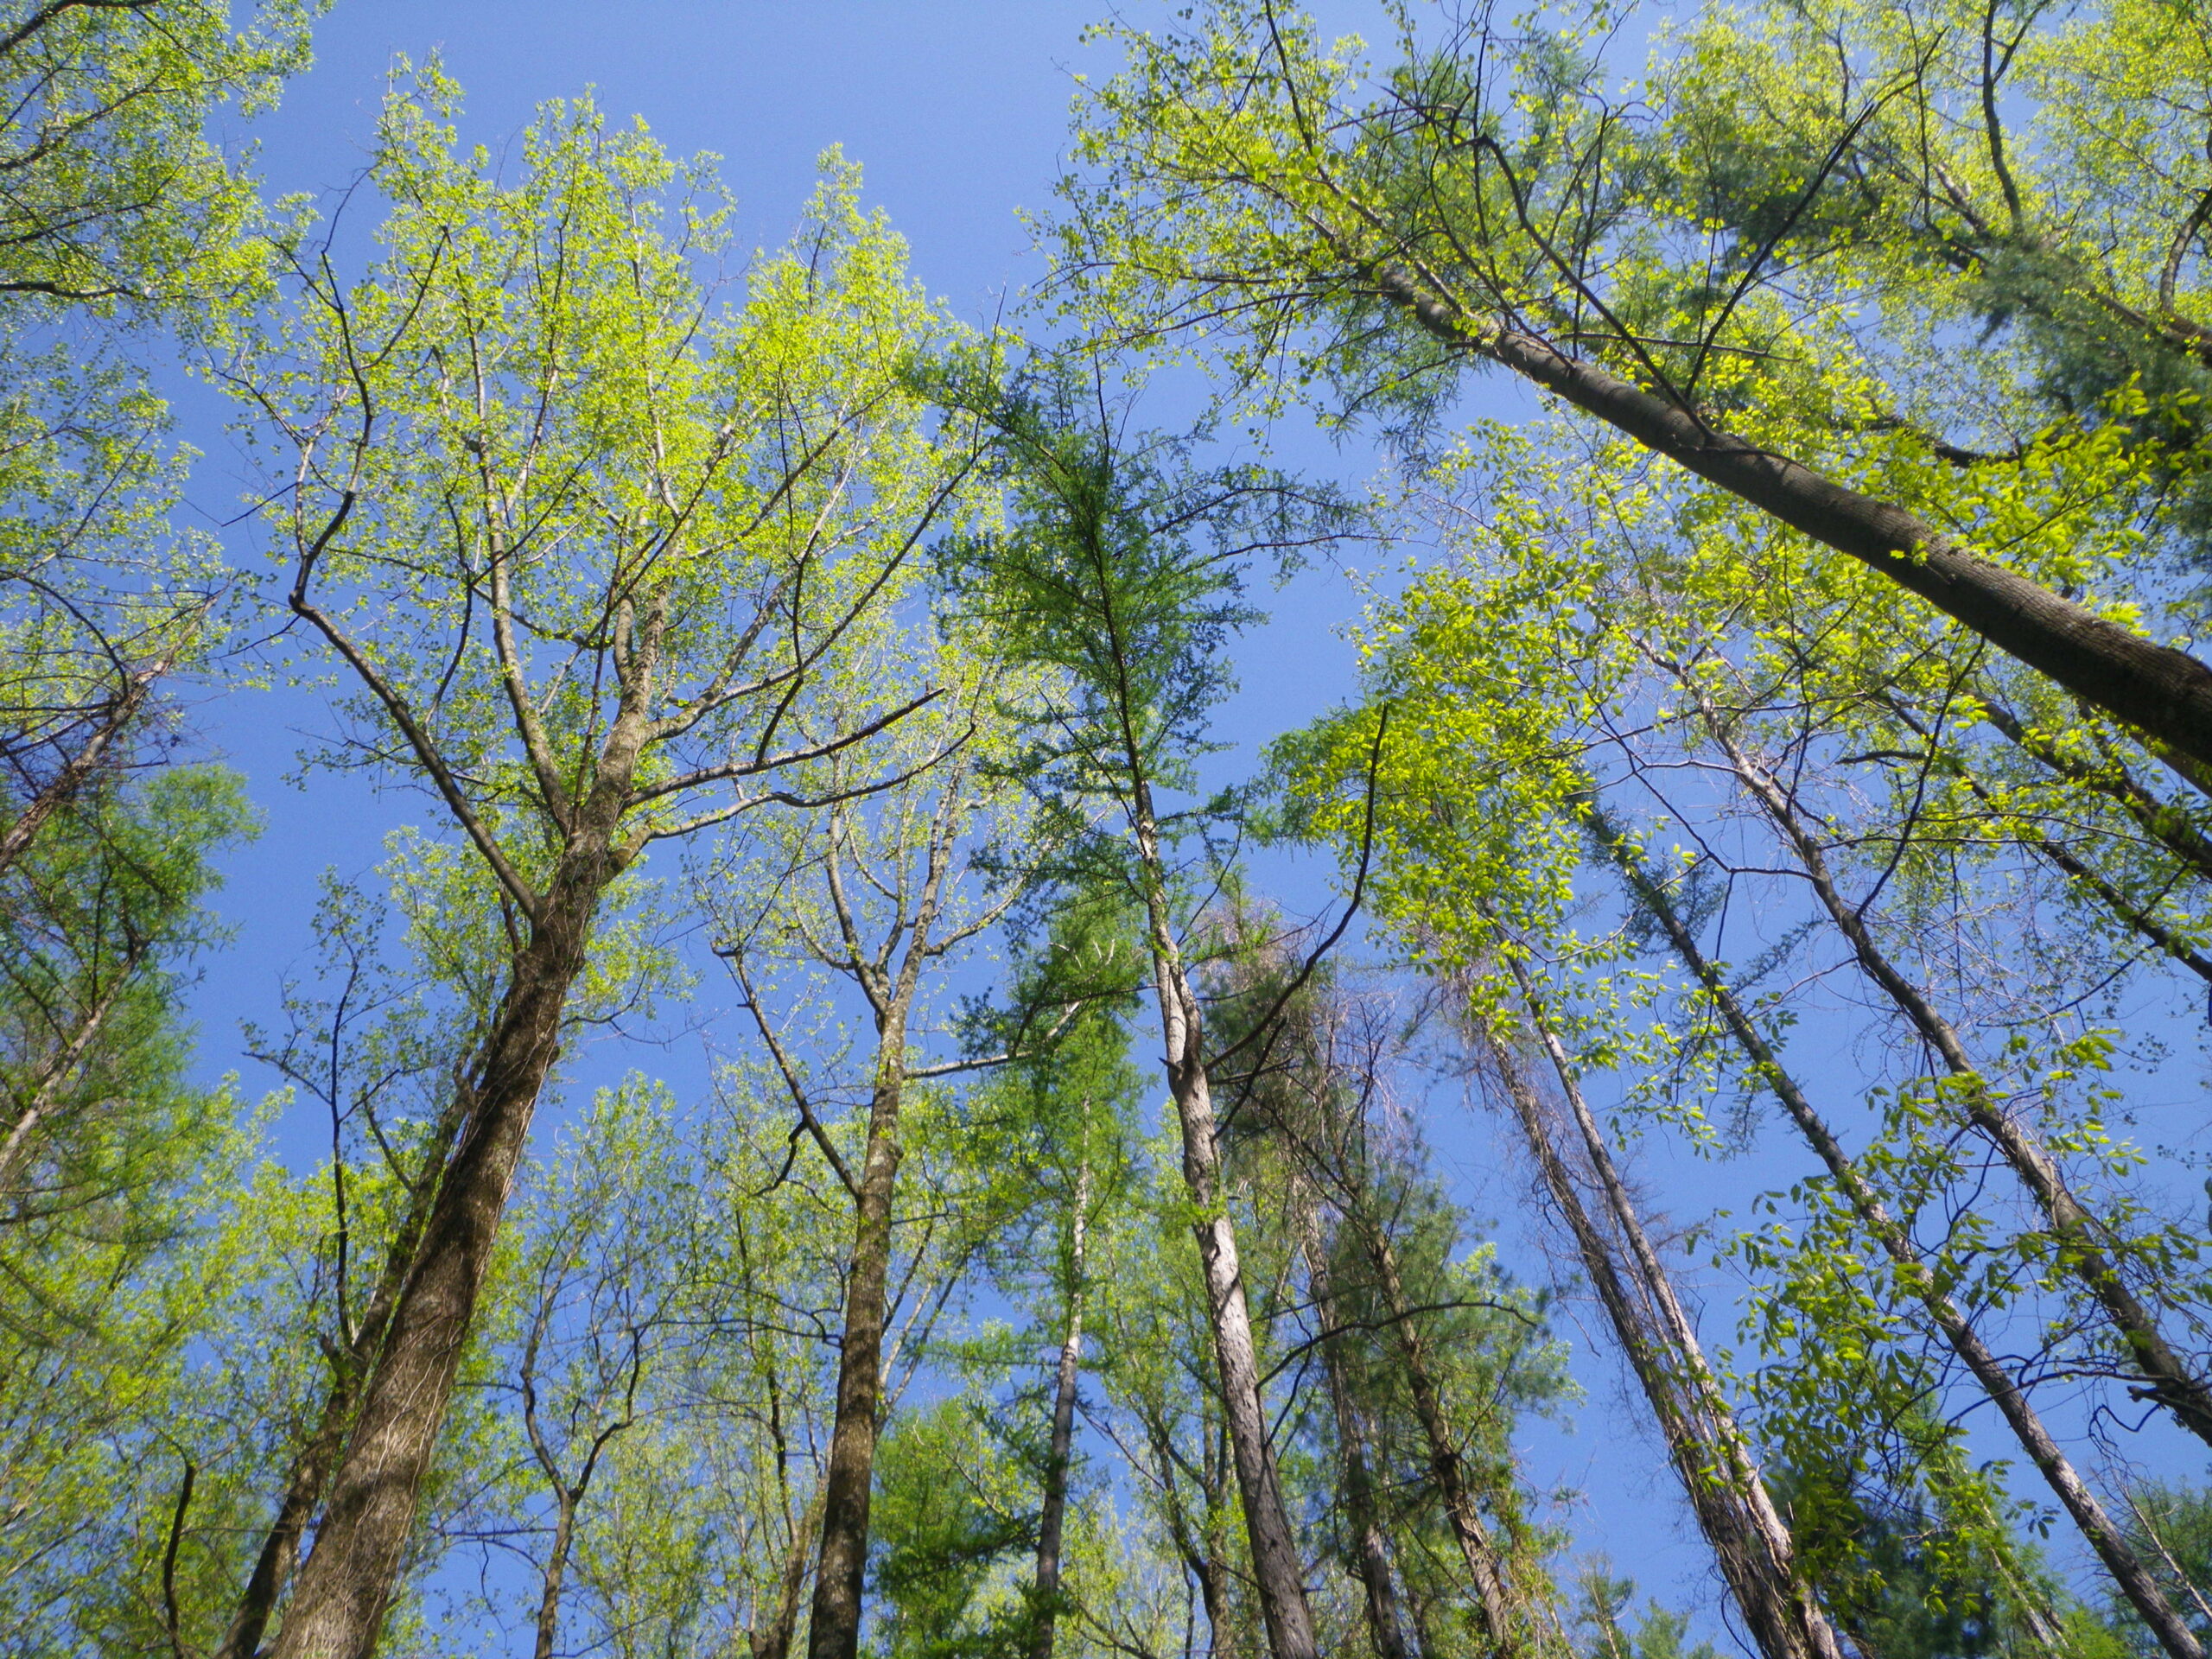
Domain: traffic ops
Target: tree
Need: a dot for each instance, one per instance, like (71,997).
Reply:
(1481,201)
(118,196)
(1526,671)
(584,545)
(119,1181)
(885,888)
(1103,582)
(1312,1096)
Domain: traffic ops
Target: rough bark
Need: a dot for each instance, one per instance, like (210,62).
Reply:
(1703,1441)
(834,1631)
(2164,693)
(1052,1512)
(312,1463)
(2042,1449)
(346,1586)
(1369,1549)
(2168,1380)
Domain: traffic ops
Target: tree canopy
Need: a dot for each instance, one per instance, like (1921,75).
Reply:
(828,1130)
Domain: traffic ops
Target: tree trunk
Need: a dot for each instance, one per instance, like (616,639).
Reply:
(54,1074)
(2171,1384)
(1703,1441)
(1275,1567)
(1053,1512)
(311,1465)
(2162,692)
(833,1630)
(1276,1564)
(1210,1567)
(2111,1545)
(2161,820)
(58,790)
(557,1569)
(1370,1549)
(1486,1567)
(774,1641)
(349,1579)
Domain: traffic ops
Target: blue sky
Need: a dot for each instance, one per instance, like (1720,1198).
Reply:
(956,110)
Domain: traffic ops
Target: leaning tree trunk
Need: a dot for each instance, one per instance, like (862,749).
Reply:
(2162,692)
(2002,1387)
(1370,1549)
(1052,1514)
(114,718)
(54,1075)
(349,1579)
(2171,1383)
(313,1462)
(1703,1440)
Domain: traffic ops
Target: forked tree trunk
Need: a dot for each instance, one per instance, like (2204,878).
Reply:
(1703,1440)
(2168,1380)
(1053,1513)
(350,1577)
(1997,1381)
(1369,1549)
(2161,692)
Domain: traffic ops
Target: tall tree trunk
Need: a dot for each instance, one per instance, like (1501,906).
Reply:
(1370,1550)
(1484,1561)
(834,1630)
(2162,692)
(312,1463)
(2050,1460)
(1210,1563)
(1053,1512)
(347,1584)
(2171,1383)
(1703,1441)
(1682,1334)
(1275,1566)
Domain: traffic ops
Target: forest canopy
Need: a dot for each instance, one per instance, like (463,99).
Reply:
(1754,1008)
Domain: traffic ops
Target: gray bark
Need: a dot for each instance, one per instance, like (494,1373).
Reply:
(2042,1449)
